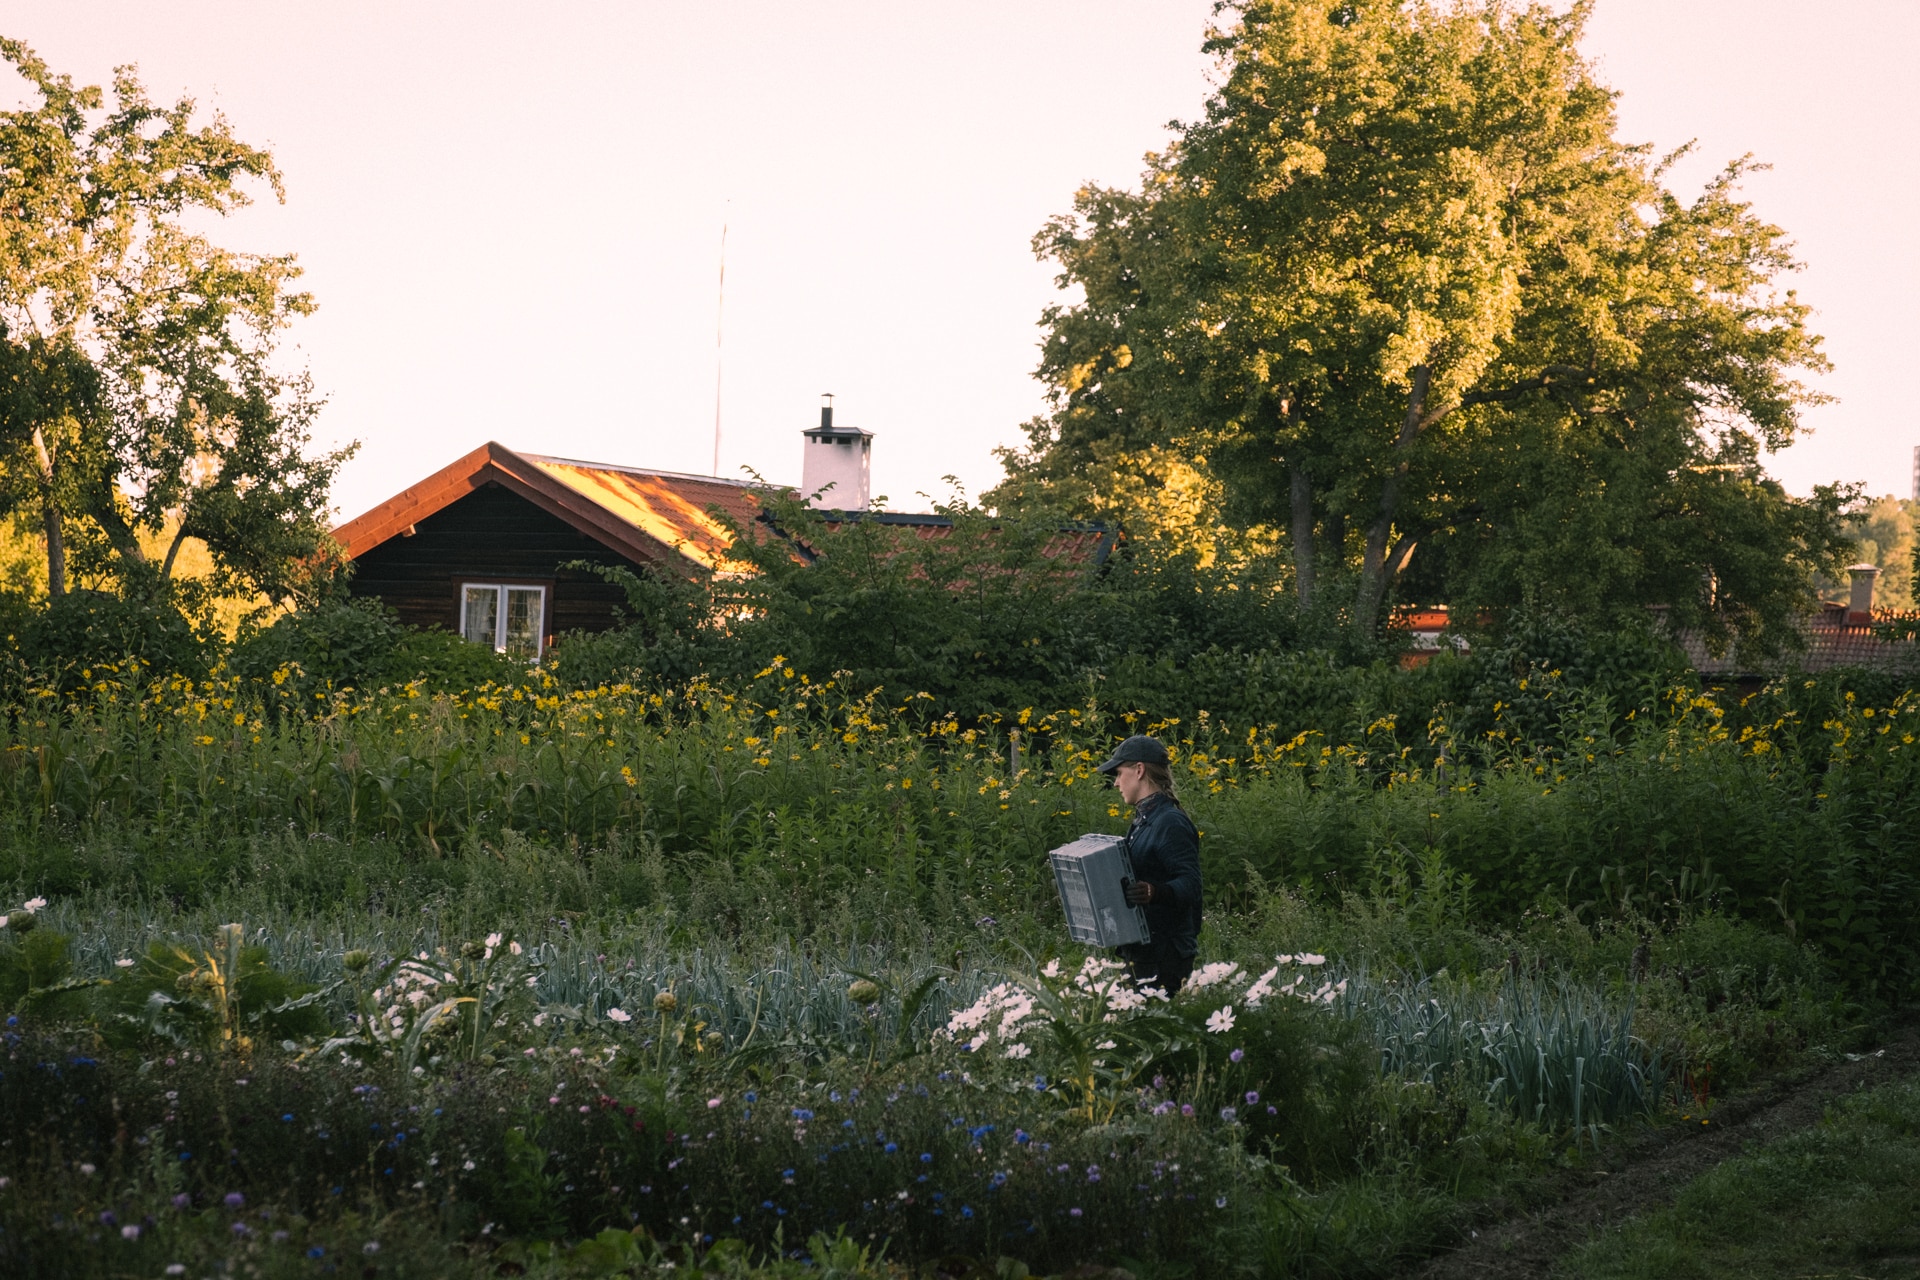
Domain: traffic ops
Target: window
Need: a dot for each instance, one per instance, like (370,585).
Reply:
(507,617)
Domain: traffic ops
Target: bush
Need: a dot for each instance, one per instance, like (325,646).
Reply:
(72,633)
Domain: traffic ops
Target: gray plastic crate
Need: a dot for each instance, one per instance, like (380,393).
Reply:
(1089,873)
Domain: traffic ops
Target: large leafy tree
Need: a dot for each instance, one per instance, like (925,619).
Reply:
(1401,288)
(138,388)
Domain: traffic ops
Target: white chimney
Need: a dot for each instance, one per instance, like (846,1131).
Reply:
(1860,602)
(837,456)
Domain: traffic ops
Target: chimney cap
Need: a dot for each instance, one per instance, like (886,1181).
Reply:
(1863,567)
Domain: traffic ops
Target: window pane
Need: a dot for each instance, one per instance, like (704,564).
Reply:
(480,616)
(523,622)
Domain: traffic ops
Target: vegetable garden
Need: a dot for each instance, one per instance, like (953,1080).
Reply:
(592,981)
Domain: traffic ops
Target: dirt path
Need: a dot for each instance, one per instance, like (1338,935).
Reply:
(1647,1173)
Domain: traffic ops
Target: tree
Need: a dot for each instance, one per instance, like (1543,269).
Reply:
(1402,287)
(138,389)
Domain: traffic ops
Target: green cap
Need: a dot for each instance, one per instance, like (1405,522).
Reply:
(1140,748)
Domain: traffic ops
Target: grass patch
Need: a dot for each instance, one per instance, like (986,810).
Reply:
(1841,1198)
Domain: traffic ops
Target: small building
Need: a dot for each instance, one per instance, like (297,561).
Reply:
(483,546)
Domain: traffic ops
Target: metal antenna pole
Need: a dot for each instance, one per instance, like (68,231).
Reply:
(719,347)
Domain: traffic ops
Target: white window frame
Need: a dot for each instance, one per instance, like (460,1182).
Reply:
(500,614)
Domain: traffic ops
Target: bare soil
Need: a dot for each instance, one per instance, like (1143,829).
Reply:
(1647,1172)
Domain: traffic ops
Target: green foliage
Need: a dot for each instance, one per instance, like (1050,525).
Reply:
(147,398)
(218,998)
(36,972)
(74,633)
(1411,301)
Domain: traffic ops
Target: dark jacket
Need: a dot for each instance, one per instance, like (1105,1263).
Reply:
(1165,850)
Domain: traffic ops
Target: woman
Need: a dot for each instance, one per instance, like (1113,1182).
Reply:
(1165,850)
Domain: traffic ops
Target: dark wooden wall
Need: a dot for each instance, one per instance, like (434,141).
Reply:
(491,535)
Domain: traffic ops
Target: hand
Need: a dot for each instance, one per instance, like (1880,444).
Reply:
(1139,893)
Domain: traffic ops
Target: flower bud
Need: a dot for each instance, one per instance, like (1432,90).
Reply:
(472,950)
(864,992)
(665,1002)
(356,960)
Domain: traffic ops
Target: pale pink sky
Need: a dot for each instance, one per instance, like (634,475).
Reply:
(511,214)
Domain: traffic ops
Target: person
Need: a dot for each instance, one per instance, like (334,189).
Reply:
(1164,847)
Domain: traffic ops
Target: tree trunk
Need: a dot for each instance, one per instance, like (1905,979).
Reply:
(1374,566)
(56,546)
(1302,529)
(50,517)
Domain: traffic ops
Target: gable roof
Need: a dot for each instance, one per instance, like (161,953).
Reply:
(646,516)
(651,517)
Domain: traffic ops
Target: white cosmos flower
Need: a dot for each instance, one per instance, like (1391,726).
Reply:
(1052,970)
(514,948)
(1218,971)
(32,905)
(493,940)
(1220,1019)
(619,1015)
(1019,1051)
(123,963)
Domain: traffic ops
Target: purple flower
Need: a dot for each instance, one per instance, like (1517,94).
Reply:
(1236,1055)
(182,1200)
(107,1219)
(1186,1108)
(1252,1097)
(235,1200)
(1074,1212)
(1228,1114)
(242,1229)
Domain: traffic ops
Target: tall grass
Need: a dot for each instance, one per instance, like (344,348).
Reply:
(808,810)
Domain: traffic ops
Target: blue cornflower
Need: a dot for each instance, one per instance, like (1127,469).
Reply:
(966,1211)
(1022,1137)
(926,1157)
(891,1147)
(846,1124)
(1039,1084)
(316,1252)
(802,1114)
(287,1118)
(752,1096)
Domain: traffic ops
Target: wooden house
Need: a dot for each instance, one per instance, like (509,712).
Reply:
(481,546)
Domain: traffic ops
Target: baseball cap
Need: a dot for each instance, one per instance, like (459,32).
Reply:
(1140,747)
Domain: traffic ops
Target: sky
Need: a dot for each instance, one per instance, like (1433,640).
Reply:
(512,215)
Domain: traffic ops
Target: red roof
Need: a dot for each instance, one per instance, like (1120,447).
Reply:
(647,516)
(1834,638)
